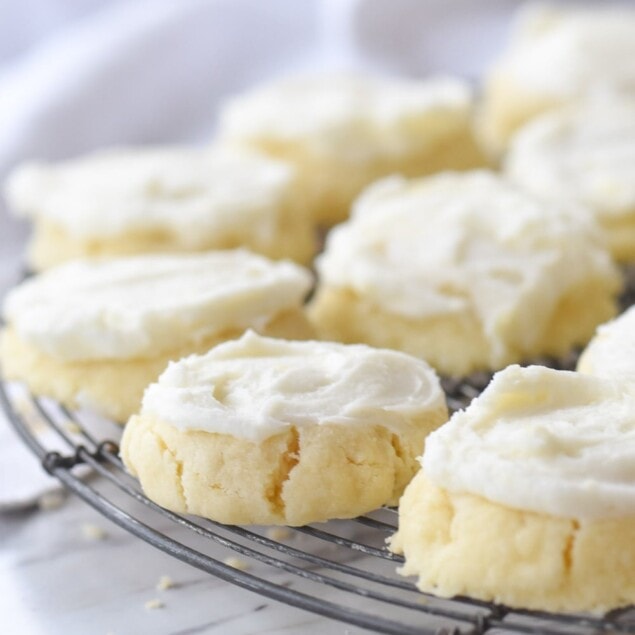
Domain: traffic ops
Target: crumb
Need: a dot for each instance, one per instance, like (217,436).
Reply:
(278,533)
(155,603)
(72,427)
(236,563)
(165,582)
(51,500)
(93,532)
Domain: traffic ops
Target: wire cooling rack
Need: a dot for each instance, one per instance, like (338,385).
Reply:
(341,569)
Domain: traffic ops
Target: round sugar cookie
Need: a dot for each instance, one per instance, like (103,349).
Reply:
(527,497)
(342,132)
(584,153)
(465,270)
(265,431)
(163,199)
(96,333)
(557,56)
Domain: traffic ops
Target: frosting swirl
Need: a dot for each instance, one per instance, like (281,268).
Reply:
(145,305)
(255,386)
(468,242)
(542,440)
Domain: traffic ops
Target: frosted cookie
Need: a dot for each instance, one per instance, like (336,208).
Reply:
(556,56)
(96,333)
(264,431)
(527,498)
(584,153)
(132,201)
(464,270)
(343,132)
(611,353)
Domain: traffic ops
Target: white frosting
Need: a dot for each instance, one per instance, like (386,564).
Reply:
(611,352)
(350,114)
(466,242)
(191,194)
(563,53)
(584,153)
(542,440)
(143,306)
(255,387)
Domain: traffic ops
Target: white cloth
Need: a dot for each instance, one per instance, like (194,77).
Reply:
(156,70)
(79,74)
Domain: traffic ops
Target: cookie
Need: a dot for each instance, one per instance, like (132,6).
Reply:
(466,271)
(265,431)
(557,56)
(527,497)
(167,199)
(96,333)
(342,132)
(584,153)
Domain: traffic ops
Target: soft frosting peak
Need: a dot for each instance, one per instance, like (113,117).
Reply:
(584,153)
(466,242)
(192,194)
(542,440)
(255,387)
(146,305)
(611,353)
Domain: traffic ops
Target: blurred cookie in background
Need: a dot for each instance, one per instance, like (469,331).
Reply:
(344,131)
(557,55)
(586,153)
(164,199)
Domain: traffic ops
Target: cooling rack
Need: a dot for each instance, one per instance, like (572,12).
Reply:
(341,569)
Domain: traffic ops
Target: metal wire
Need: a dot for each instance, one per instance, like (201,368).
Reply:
(341,569)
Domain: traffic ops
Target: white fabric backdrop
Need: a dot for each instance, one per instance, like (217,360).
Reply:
(155,70)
